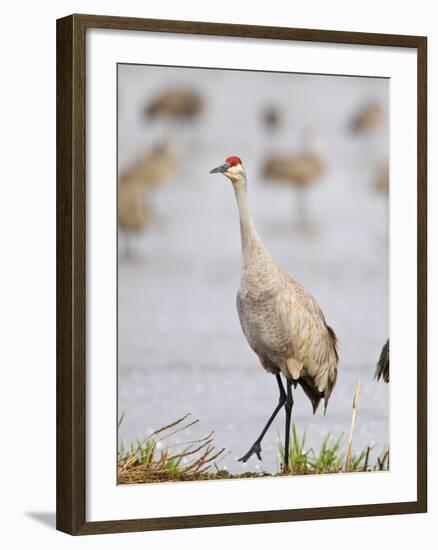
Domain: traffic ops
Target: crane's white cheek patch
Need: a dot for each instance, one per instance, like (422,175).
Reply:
(235,170)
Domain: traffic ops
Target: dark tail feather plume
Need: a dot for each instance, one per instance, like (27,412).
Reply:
(333,340)
(382,369)
(331,382)
(312,393)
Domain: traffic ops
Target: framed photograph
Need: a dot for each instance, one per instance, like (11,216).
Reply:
(241,274)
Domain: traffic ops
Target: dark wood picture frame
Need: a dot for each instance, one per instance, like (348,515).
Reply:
(71,271)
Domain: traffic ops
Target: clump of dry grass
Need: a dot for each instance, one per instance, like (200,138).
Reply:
(146,462)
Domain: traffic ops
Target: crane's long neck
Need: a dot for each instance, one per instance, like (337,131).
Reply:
(252,245)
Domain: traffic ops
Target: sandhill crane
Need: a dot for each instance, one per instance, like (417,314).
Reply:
(271,117)
(133,214)
(299,170)
(177,105)
(369,118)
(154,169)
(135,184)
(381,182)
(382,369)
(281,321)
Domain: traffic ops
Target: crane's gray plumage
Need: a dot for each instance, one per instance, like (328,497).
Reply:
(285,327)
(382,368)
(281,321)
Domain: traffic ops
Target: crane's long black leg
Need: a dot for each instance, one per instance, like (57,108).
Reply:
(256,447)
(288,404)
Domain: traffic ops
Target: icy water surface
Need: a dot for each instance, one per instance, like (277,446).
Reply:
(180,345)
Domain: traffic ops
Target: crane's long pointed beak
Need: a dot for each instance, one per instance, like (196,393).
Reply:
(220,169)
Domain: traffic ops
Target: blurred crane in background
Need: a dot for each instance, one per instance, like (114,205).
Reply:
(381,182)
(299,170)
(271,118)
(155,168)
(136,184)
(133,213)
(178,106)
(368,118)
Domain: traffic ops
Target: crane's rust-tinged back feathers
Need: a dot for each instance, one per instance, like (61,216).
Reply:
(315,345)
(308,384)
(331,380)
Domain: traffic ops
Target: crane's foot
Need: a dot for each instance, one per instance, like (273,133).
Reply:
(256,449)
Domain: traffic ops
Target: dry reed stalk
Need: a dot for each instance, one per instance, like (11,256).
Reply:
(182,428)
(168,426)
(193,441)
(191,452)
(353,422)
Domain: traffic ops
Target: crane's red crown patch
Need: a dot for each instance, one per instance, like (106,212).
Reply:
(233,161)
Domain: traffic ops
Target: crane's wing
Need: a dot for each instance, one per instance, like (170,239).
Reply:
(315,356)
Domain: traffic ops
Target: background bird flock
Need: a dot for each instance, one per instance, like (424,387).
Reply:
(166,142)
(176,112)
